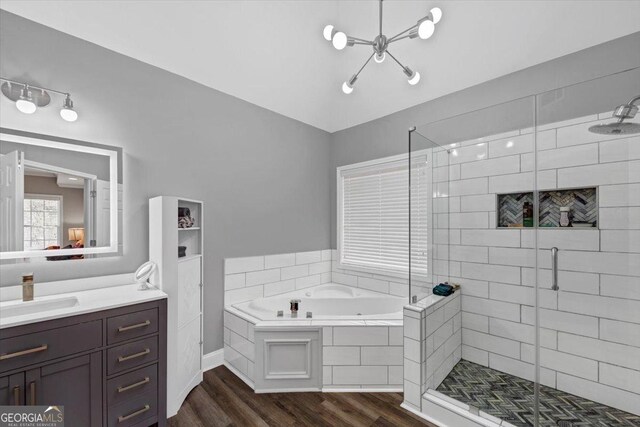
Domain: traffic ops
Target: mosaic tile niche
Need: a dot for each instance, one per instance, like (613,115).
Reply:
(583,203)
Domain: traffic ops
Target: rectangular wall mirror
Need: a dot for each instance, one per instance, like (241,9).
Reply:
(59,199)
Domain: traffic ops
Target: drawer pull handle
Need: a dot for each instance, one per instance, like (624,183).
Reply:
(136,326)
(133,356)
(32,390)
(16,395)
(43,347)
(134,385)
(122,418)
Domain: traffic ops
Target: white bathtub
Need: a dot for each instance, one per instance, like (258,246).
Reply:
(328,301)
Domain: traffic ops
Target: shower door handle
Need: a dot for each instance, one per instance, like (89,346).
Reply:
(554,269)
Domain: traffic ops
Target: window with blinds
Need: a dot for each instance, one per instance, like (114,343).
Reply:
(373,216)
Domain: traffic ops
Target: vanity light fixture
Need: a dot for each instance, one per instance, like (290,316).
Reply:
(423,29)
(29,97)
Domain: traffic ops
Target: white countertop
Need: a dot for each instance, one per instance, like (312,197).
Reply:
(89,301)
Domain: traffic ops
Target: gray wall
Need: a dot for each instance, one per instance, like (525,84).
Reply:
(388,136)
(264,178)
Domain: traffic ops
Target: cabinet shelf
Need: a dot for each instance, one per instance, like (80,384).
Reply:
(188,229)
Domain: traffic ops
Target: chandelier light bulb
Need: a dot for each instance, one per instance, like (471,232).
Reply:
(339,40)
(347,88)
(67,112)
(25,104)
(436,14)
(414,79)
(379,58)
(426,29)
(328,32)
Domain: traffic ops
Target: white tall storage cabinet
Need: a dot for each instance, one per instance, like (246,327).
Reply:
(182,279)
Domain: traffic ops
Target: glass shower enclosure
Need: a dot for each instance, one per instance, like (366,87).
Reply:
(533,208)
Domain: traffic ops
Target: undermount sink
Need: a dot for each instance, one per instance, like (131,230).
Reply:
(32,307)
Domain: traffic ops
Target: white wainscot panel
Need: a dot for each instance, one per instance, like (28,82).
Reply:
(287,360)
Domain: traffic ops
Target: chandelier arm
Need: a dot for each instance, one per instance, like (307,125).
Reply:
(398,62)
(364,65)
(394,38)
(399,38)
(362,41)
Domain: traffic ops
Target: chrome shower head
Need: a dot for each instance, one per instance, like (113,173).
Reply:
(622,113)
(618,128)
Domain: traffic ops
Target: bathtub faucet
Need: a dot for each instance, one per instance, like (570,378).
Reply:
(294,307)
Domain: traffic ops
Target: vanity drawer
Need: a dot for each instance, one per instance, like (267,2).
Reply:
(130,355)
(42,346)
(133,411)
(127,386)
(132,325)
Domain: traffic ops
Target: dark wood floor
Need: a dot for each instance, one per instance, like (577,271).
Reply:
(222,399)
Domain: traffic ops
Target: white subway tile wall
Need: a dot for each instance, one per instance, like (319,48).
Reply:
(264,276)
(432,345)
(239,346)
(373,282)
(362,357)
(590,334)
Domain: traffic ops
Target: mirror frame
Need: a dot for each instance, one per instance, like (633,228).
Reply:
(112,155)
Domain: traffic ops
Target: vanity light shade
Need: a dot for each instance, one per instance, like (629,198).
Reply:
(67,112)
(25,104)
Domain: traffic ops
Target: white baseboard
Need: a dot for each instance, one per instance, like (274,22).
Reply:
(212,360)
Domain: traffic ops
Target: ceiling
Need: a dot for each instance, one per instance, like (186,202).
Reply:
(271,53)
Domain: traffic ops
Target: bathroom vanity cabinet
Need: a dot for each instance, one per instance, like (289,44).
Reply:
(106,368)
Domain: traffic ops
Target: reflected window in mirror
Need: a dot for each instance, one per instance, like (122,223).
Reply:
(42,221)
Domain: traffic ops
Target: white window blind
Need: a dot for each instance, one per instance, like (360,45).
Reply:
(374,216)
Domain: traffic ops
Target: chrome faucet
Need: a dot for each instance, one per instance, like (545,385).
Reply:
(27,287)
(294,303)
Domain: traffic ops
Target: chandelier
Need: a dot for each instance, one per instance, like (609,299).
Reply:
(423,29)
